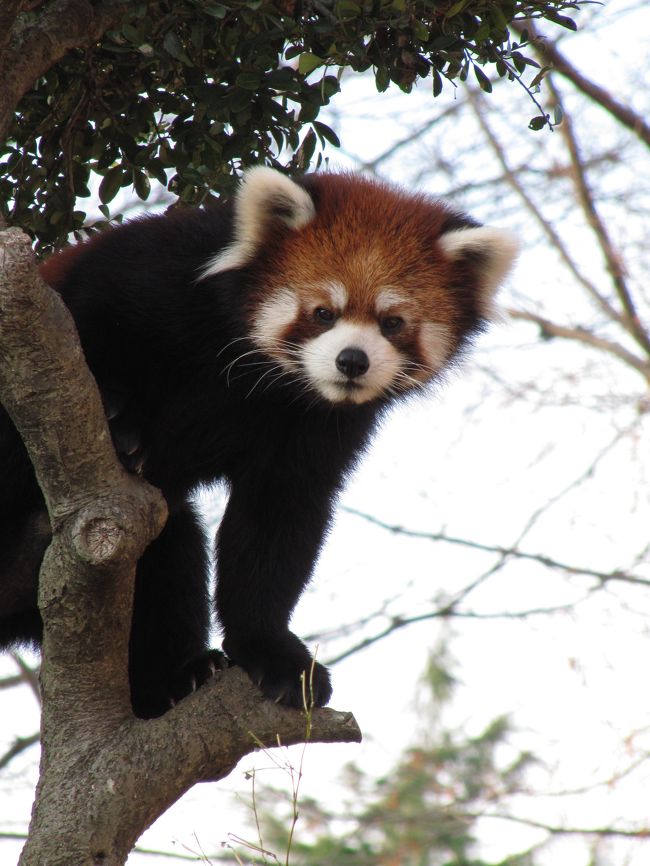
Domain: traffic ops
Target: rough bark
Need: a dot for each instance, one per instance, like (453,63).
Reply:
(105,775)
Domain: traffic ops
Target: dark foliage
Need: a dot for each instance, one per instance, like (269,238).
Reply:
(187,92)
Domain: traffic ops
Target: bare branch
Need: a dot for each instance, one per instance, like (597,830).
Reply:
(447,611)
(556,830)
(28,674)
(550,55)
(373,165)
(20,744)
(475,100)
(586,200)
(582,335)
(514,552)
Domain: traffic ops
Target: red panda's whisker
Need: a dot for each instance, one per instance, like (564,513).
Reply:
(231,343)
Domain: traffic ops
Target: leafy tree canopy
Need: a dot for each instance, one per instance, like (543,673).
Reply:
(187,92)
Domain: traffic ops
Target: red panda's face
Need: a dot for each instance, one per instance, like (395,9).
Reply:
(344,352)
(360,291)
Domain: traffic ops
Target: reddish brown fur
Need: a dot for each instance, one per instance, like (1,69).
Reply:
(371,236)
(55,269)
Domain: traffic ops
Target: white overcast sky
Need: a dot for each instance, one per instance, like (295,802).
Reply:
(471,462)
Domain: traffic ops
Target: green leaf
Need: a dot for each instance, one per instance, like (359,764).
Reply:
(540,75)
(249,80)
(437,81)
(497,18)
(292,51)
(538,122)
(329,85)
(562,20)
(173,46)
(482,33)
(239,99)
(157,170)
(216,10)
(519,61)
(307,62)
(325,132)
(141,184)
(307,147)
(110,185)
(420,31)
(382,78)
(483,81)
(347,9)
(456,8)
(309,112)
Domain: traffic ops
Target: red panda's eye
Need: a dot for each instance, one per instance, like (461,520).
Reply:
(322,314)
(392,324)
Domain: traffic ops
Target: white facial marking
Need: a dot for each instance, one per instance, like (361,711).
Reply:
(387,298)
(435,344)
(338,294)
(319,360)
(265,196)
(500,248)
(272,318)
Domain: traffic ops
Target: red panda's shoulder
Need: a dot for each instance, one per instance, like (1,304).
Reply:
(55,269)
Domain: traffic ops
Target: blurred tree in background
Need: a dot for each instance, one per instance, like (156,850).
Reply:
(424,811)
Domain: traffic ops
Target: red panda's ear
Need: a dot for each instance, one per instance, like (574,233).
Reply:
(265,197)
(493,250)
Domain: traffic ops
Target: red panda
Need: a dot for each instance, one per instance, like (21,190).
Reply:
(256,343)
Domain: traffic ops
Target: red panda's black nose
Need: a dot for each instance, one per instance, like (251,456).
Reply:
(352,362)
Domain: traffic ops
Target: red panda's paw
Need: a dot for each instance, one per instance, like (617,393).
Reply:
(154,700)
(283,669)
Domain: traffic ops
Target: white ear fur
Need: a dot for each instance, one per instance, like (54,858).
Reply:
(498,250)
(265,196)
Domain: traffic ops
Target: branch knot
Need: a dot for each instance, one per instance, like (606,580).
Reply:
(98,539)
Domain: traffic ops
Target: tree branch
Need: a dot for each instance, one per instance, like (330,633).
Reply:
(556,830)
(10,10)
(19,745)
(475,100)
(587,203)
(550,55)
(28,674)
(582,335)
(514,552)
